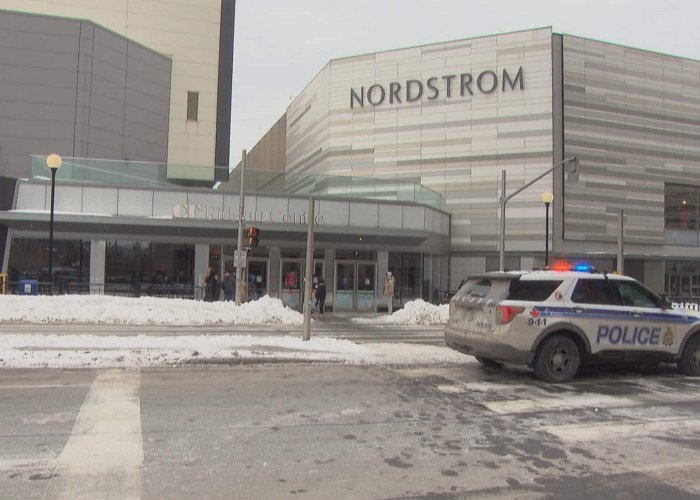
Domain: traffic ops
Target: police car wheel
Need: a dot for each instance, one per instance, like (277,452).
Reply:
(689,362)
(489,362)
(556,360)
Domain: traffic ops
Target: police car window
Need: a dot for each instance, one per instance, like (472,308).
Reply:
(479,288)
(593,292)
(532,290)
(635,295)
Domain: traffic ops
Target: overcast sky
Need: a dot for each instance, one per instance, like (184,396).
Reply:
(280,45)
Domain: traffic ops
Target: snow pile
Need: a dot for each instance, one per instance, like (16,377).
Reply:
(416,312)
(101,309)
(110,351)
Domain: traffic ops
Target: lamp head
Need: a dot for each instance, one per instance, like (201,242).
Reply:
(54,161)
(547,198)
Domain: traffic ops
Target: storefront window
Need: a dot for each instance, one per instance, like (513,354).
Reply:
(141,267)
(681,207)
(407,269)
(683,279)
(29,258)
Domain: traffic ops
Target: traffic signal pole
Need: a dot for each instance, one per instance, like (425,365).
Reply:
(308,279)
(503,199)
(239,247)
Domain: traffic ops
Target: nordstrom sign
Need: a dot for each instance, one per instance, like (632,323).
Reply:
(449,86)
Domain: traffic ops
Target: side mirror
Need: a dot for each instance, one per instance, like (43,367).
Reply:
(665,302)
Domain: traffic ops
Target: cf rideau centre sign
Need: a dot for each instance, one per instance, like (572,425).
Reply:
(218,213)
(456,85)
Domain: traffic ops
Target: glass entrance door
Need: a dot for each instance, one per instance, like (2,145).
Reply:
(291,282)
(344,299)
(366,281)
(257,278)
(355,285)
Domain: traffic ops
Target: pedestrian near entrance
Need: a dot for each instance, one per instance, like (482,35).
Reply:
(211,286)
(228,285)
(320,293)
(389,283)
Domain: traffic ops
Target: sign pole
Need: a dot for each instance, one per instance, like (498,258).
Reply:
(239,247)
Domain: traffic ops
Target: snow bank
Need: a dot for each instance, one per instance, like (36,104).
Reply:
(417,312)
(112,351)
(101,309)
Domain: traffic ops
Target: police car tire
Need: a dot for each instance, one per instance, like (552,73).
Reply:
(489,362)
(689,362)
(557,359)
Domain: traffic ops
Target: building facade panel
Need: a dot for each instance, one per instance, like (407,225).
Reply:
(185,32)
(627,118)
(445,114)
(70,89)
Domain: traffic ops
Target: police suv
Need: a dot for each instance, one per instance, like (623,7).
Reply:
(556,321)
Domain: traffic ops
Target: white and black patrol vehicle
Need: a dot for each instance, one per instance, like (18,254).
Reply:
(556,321)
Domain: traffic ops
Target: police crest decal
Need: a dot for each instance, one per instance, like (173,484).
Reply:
(668,339)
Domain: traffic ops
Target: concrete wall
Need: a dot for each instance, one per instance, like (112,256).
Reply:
(76,89)
(269,152)
(188,33)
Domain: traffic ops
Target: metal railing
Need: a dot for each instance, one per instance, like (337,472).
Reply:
(686,302)
(173,290)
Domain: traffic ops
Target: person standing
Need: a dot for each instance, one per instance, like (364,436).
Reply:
(228,285)
(389,283)
(211,285)
(321,295)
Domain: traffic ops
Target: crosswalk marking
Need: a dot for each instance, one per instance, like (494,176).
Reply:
(105,450)
(606,431)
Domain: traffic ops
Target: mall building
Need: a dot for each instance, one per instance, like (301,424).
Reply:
(453,116)
(404,153)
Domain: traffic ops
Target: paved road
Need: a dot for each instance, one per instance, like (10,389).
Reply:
(334,431)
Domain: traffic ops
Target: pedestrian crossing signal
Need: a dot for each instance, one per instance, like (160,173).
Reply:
(253,236)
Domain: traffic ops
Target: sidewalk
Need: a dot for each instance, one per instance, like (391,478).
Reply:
(319,322)
(81,346)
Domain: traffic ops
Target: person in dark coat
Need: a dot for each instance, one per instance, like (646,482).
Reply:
(228,285)
(211,286)
(320,293)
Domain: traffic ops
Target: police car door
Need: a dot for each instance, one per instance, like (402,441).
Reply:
(598,312)
(651,328)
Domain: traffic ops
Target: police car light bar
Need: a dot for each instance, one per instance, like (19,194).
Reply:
(582,267)
(561,265)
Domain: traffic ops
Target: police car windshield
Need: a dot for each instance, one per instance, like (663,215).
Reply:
(634,294)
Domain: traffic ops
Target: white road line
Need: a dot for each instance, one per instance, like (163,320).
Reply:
(609,431)
(104,454)
(566,402)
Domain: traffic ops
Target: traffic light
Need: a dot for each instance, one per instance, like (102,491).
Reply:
(253,235)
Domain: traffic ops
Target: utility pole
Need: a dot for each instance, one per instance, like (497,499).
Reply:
(620,242)
(308,278)
(239,259)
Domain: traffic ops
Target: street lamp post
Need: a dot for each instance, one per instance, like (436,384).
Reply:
(54,162)
(573,174)
(547,198)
